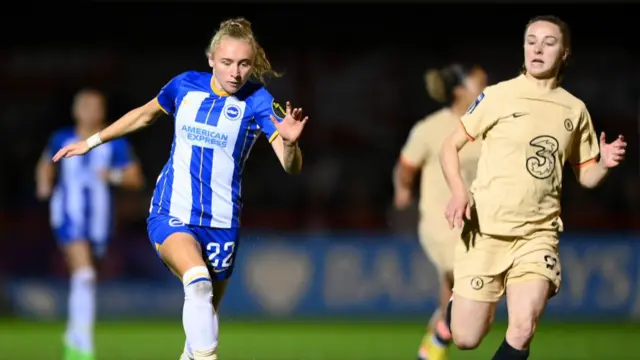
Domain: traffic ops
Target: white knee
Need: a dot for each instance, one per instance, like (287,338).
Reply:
(197,284)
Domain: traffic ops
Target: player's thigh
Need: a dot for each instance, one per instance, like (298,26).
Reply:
(439,244)
(470,321)
(534,277)
(175,243)
(537,258)
(526,301)
(74,243)
(219,248)
(77,253)
(481,262)
(480,265)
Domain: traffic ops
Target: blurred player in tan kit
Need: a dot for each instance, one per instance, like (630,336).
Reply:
(530,127)
(456,87)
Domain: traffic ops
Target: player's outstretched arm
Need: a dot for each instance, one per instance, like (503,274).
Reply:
(450,163)
(134,120)
(591,174)
(286,144)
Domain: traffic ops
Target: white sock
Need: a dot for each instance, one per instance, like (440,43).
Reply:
(187,352)
(82,310)
(201,330)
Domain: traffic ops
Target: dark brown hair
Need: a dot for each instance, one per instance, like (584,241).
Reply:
(441,83)
(566,40)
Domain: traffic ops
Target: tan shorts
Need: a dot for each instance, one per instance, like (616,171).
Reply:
(485,265)
(439,242)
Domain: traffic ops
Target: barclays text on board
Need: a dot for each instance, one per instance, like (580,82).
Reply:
(356,277)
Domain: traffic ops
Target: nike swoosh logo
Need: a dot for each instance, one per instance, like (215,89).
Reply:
(518,114)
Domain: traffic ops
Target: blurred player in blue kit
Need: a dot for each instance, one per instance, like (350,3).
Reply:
(194,216)
(81,210)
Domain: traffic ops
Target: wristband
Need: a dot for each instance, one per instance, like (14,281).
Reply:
(94,140)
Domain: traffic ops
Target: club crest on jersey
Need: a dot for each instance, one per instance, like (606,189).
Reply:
(278,110)
(475,103)
(232,112)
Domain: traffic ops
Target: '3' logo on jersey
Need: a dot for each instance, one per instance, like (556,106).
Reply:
(543,163)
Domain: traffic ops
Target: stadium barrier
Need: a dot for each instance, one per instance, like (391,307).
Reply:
(353,276)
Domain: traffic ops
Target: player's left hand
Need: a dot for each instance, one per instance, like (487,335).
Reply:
(75,149)
(612,154)
(292,125)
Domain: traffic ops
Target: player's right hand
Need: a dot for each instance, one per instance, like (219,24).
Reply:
(457,208)
(77,148)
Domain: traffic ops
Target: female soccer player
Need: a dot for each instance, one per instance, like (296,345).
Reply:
(195,211)
(81,210)
(530,127)
(456,86)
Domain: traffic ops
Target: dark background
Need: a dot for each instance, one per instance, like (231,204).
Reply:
(325,244)
(357,71)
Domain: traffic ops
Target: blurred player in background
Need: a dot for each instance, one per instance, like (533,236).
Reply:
(81,210)
(530,127)
(456,87)
(195,211)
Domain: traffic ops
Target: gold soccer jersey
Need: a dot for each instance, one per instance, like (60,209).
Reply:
(421,151)
(528,133)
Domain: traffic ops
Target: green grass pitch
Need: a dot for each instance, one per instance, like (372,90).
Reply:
(264,340)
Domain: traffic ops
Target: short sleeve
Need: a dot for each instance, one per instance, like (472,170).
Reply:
(416,148)
(122,153)
(585,149)
(266,107)
(480,116)
(167,96)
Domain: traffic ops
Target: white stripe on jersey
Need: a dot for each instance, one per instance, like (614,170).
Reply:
(181,199)
(221,167)
(81,201)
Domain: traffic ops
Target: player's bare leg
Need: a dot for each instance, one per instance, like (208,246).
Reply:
(469,321)
(182,254)
(526,302)
(436,342)
(82,301)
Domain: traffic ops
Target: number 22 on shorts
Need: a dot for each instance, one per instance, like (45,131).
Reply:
(216,252)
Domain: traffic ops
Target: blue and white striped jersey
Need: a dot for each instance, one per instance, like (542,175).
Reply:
(81,202)
(214,132)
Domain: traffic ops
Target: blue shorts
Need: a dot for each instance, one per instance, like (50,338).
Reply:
(219,246)
(78,217)
(68,233)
